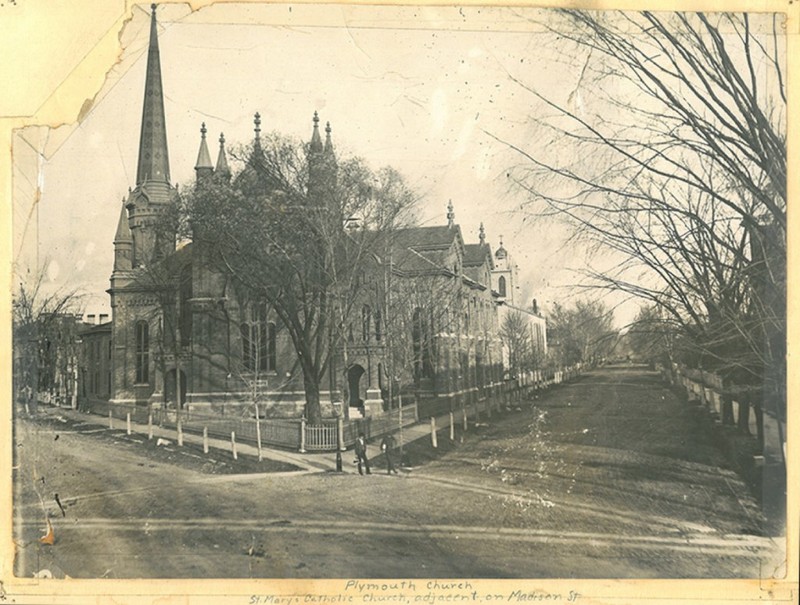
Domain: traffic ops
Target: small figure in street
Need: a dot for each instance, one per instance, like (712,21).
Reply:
(361,454)
(388,444)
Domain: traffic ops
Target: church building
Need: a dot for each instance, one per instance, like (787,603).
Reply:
(179,335)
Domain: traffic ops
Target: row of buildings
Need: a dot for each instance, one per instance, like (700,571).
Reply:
(430,326)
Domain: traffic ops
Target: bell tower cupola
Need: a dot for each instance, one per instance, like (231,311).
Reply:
(504,274)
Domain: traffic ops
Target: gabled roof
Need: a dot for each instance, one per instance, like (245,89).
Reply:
(477,254)
(425,238)
(423,249)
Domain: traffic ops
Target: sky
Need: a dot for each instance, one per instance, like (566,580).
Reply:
(427,90)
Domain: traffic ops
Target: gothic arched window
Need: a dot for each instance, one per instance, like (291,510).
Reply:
(421,339)
(246,352)
(185,309)
(272,348)
(501,286)
(366,320)
(142,338)
(259,343)
(417,341)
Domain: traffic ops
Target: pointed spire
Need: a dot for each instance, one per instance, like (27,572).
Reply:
(482,235)
(222,159)
(451,215)
(328,142)
(153,155)
(257,128)
(316,141)
(123,242)
(123,228)
(203,165)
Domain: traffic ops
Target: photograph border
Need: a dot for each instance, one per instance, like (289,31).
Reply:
(64,97)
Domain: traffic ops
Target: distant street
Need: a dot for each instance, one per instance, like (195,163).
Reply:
(610,476)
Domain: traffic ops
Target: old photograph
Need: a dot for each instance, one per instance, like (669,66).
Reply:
(413,293)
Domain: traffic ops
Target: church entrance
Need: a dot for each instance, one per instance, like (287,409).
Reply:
(354,374)
(169,387)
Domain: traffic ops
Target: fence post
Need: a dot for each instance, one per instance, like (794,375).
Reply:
(303,435)
(179,428)
(233,445)
(150,424)
(128,423)
(110,420)
(340,433)
(205,439)
(452,428)
(464,416)
(258,434)
(433,432)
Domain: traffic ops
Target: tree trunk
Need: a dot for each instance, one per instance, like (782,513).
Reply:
(313,406)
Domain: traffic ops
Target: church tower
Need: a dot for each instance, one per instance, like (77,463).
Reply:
(322,169)
(153,191)
(504,274)
(140,241)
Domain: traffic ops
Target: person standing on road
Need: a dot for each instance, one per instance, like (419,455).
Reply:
(388,444)
(361,454)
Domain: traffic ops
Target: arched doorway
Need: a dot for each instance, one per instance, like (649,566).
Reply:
(354,374)
(169,387)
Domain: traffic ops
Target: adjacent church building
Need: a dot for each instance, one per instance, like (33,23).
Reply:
(179,335)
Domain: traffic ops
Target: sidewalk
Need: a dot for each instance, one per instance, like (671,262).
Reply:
(310,462)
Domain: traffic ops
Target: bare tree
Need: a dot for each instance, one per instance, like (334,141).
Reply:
(277,229)
(678,130)
(582,332)
(45,339)
(516,337)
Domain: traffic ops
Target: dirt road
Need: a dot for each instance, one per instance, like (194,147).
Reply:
(610,476)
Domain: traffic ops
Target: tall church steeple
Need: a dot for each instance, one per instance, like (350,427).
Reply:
(153,155)
(153,191)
